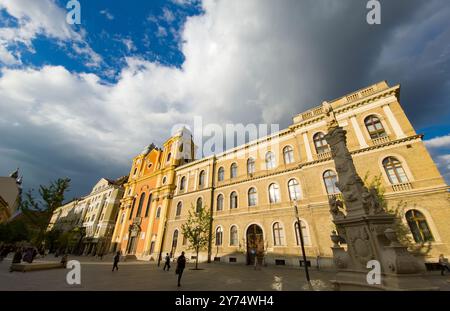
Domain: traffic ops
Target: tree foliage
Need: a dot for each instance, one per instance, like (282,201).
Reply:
(196,230)
(13,232)
(397,209)
(39,211)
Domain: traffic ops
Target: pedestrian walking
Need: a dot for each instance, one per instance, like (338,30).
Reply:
(443,262)
(181,264)
(167,262)
(116,261)
(64,260)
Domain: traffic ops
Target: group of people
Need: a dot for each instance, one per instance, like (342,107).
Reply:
(27,254)
(181,264)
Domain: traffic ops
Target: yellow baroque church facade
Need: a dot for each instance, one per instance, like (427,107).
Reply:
(252,189)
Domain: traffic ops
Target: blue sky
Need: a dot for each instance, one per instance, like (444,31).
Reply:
(82,100)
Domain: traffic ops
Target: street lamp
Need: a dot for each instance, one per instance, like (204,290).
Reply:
(301,242)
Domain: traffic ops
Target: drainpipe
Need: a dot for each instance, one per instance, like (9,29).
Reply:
(213,175)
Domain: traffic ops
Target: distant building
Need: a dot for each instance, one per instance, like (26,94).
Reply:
(4,211)
(10,194)
(94,215)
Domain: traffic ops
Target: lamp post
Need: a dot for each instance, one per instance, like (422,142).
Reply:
(301,242)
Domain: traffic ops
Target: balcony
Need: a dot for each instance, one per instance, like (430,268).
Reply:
(324,155)
(380,140)
(337,195)
(402,187)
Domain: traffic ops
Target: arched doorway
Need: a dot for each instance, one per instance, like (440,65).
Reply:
(255,244)
(133,234)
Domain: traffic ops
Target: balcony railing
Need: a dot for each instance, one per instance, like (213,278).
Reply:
(324,155)
(380,140)
(402,187)
(337,195)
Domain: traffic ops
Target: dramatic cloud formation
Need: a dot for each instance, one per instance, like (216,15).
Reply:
(35,18)
(245,62)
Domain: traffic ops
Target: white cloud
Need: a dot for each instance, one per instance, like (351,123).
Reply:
(438,142)
(168,16)
(107,14)
(35,18)
(129,44)
(162,32)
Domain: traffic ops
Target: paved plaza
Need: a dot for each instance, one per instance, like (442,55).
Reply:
(96,274)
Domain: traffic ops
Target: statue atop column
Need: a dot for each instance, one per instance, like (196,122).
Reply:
(365,226)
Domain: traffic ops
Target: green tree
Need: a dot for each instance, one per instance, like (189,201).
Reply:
(14,231)
(196,230)
(402,230)
(39,211)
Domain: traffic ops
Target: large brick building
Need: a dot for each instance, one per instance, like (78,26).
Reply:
(252,189)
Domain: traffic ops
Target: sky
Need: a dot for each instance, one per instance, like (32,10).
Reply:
(82,100)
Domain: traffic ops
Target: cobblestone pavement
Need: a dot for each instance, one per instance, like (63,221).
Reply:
(96,274)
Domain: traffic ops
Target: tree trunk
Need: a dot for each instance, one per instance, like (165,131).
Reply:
(196,260)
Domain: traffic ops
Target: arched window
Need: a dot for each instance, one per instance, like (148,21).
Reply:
(174,240)
(132,208)
(179,207)
(394,171)
(374,127)
(233,200)
(201,179)
(419,226)
(288,155)
(278,234)
(252,196)
(305,233)
(274,193)
(294,189)
(330,179)
(169,156)
(320,143)
(182,183)
(141,203)
(149,202)
(250,166)
(220,202)
(233,170)
(158,212)
(219,235)
(270,160)
(199,205)
(233,236)
(221,174)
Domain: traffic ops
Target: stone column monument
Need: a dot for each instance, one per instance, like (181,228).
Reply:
(365,238)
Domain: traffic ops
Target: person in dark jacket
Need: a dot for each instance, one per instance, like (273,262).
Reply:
(181,264)
(116,261)
(443,262)
(18,255)
(167,262)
